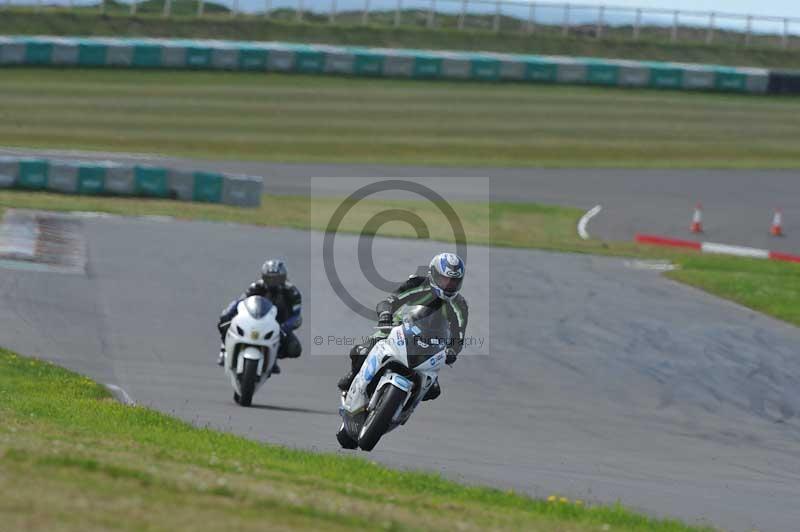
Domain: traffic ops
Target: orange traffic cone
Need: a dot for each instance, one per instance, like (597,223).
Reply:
(697,219)
(777,223)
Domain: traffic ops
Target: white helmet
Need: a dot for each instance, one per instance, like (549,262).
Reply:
(446,275)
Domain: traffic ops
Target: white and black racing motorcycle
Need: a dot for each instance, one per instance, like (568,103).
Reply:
(251,347)
(394,378)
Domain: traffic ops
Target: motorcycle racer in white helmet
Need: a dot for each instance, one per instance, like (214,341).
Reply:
(438,289)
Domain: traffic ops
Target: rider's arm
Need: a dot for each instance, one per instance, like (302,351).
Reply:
(459,324)
(399,296)
(255,289)
(294,300)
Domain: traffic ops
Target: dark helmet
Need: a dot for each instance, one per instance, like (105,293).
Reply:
(446,275)
(273,273)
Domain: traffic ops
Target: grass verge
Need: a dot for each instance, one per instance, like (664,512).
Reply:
(728,48)
(765,286)
(71,458)
(255,116)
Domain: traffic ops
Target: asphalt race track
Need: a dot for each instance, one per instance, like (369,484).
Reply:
(603,381)
(738,204)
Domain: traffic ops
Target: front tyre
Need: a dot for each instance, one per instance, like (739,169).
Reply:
(248,382)
(378,421)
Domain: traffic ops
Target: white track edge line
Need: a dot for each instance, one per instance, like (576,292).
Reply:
(121,395)
(584,221)
(740,251)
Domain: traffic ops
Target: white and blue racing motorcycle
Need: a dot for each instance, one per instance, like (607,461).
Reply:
(394,378)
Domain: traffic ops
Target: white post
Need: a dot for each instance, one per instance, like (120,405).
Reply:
(398,13)
(431,13)
(532,18)
(463,14)
(102,6)
(332,16)
(786,33)
(601,11)
(749,35)
(133,7)
(675,22)
(565,25)
(167,8)
(235,10)
(365,13)
(711,21)
(637,25)
(299,12)
(267,8)
(496,23)
(201,6)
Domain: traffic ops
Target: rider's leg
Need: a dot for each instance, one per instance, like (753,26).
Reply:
(290,346)
(223,325)
(358,354)
(433,392)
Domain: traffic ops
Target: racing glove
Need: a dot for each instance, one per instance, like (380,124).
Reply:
(450,356)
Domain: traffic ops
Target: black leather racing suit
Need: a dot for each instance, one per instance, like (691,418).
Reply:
(289,303)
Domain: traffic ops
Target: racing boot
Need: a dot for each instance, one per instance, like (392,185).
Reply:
(345,382)
(357,357)
(276,369)
(433,392)
(221,356)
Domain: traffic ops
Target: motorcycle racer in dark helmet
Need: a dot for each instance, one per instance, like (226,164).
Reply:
(274,286)
(439,289)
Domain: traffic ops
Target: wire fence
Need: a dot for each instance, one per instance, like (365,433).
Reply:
(517,16)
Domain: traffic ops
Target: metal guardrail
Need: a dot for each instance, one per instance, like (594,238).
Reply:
(104,178)
(523,16)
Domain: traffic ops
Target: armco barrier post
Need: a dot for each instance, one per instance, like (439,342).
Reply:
(242,191)
(33,174)
(601,11)
(711,22)
(119,180)
(150,181)
(91,178)
(9,171)
(531,27)
(208,187)
(63,177)
(180,184)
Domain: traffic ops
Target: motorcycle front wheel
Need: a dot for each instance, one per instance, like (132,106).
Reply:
(248,382)
(378,421)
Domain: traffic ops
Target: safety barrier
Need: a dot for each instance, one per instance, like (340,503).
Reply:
(113,179)
(323,59)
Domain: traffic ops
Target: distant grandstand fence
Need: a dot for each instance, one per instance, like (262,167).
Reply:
(518,16)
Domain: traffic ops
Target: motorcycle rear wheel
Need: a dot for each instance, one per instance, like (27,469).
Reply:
(378,421)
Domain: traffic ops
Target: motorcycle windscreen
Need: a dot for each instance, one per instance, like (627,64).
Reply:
(257,306)
(427,333)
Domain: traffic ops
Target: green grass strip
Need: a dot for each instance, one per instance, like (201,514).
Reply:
(74,459)
(293,118)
